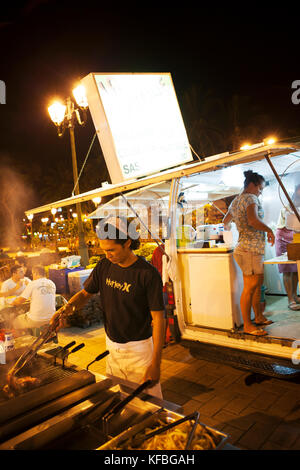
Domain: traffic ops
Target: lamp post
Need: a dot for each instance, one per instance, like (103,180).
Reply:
(30,217)
(65,116)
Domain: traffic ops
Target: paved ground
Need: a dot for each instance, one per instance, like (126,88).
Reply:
(262,416)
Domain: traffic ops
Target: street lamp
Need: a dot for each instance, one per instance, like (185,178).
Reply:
(66,116)
(30,217)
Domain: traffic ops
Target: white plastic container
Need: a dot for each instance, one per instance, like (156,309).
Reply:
(2,353)
(76,280)
(9,342)
(70,261)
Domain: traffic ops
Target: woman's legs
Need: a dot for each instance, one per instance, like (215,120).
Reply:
(288,285)
(251,298)
(295,282)
(256,301)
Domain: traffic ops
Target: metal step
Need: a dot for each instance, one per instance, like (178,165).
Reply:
(243,360)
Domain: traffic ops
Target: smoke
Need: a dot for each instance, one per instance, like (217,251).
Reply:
(16,196)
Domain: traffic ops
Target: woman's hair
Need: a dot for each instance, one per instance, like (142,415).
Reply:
(251,177)
(109,231)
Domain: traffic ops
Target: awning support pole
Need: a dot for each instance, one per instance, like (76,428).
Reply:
(282,187)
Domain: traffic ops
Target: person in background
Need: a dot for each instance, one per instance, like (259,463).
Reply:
(131,294)
(284,236)
(41,292)
(247,213)
(3,255)
(16,283)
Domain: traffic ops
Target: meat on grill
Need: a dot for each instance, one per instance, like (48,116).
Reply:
(18,385)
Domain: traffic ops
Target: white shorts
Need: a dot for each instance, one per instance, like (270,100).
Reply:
(250,263)
(129,361)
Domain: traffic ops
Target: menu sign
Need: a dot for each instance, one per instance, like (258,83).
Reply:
(138,122)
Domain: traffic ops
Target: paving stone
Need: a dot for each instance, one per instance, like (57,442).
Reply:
(186,387)
(191,406)
(224,417)
(286,402)
(206,379)
(254,415)
(240,422)
(253,390)
(174,397)
(214,405)
(271,446)
(234,433)
(294,414)
(265,401)
(225,381)
(285,435)
(296,445)
(238,403)
(256,436)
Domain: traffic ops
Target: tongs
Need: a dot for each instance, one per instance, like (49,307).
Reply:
(137,441)
(31,351)
(119,406)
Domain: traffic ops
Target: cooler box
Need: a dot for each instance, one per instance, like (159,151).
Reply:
(60,278)
(76,280)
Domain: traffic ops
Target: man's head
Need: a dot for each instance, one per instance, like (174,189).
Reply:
(118,238)
(17,273)
(38,272)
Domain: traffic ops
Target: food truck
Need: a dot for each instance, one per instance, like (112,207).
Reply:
(179,203)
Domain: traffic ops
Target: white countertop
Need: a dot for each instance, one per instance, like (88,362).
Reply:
(282,259)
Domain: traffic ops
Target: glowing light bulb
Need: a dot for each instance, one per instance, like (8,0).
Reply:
(57,112)
(80,96)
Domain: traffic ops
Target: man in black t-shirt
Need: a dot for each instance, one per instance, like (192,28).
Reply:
(131,293)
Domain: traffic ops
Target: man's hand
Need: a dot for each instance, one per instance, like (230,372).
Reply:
(60,318)
(152,373)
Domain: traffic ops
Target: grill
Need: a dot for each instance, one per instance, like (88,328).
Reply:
(73,408)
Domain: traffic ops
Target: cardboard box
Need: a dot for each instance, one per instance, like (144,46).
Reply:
(293,251)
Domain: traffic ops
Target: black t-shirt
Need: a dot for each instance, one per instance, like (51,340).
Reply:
(127,295)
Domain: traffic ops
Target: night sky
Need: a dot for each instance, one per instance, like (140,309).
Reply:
(47,45)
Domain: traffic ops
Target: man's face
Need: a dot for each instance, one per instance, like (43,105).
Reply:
(19,274)
(115,252)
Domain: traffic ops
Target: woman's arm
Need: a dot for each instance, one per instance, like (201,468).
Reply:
(258,224)
(227,221)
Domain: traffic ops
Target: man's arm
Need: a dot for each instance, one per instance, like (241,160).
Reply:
(19,300)
(76,302)
(12,291)
(159,325)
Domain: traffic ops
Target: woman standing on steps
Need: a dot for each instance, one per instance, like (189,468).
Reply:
(247,213)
